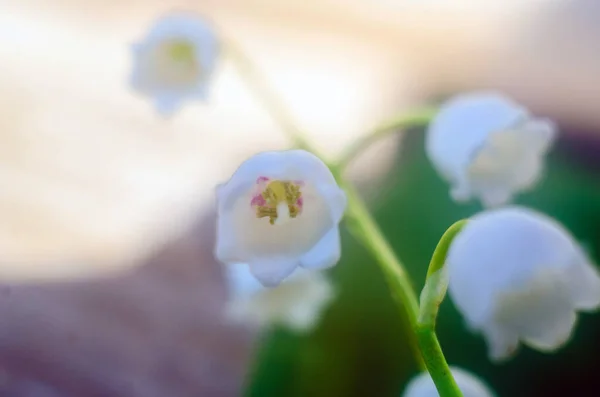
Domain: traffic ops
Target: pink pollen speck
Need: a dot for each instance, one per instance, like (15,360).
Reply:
(261,179)
(258,200)
(300,202)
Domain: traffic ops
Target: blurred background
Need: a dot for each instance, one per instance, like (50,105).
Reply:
(108,283)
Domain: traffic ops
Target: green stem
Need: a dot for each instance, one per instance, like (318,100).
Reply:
(414,119)
(438,259)
(363,227)
(270,100)
(436,364)
(432,296)
(359,219)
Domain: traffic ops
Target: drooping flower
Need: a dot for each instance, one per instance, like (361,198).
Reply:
(296,303)
(280,210)
(488,147)
(518,275)
(470,385)
(175,61)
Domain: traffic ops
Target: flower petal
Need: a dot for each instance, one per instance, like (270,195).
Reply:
(297,302)
(325,253)
(510,161)
(583,281)
(495,196)
(302,317)
(555,335)
(167,104)
(242,284)
(514,274)
(462,126)
(271,271)
(273,245)
(541,312)
(502,342)
(169,81)
(336,199)
(227,245)
(488,147)
(273,164)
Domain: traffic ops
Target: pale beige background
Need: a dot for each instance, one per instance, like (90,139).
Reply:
(92,181)
(92,178)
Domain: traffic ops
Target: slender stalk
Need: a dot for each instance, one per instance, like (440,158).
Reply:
(414,119)
(371,236)
(270,100)
(431,297)
(362,225)
(436,364)
(359,219)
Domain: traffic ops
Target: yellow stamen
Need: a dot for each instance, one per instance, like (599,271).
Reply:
(277,195)
(175,64)
(180,50)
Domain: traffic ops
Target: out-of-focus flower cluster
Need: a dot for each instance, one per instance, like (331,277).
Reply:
(515,274)
(488,147)
(278,215)
(297,303)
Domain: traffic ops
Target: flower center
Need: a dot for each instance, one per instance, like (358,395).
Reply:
(503,151)
(280,201)
(175,64)
(180,51)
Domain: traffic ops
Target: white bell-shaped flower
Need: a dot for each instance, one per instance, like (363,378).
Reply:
(488,147)
(296,303)
(518,275)
(175,61)
(470,385)
(280,210)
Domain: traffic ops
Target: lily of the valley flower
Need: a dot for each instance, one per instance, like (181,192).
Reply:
(469,384)
(488,147)
(280,210)
(175,61)
(518,275)
(296,303)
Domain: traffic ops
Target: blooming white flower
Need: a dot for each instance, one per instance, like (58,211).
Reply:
(280,210)
(516,274)
(488,147)
(470,385)
(175,60)
(297,302)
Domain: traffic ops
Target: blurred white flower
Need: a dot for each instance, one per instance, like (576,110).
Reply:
(280,210)
(175,61)
(296,303)
(470,385)
(516,274)
(488,147)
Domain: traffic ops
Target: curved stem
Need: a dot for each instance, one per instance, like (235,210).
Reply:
(438,259)
(436,364)
(270,100)
(362,225)
(414,119)
(432,296)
